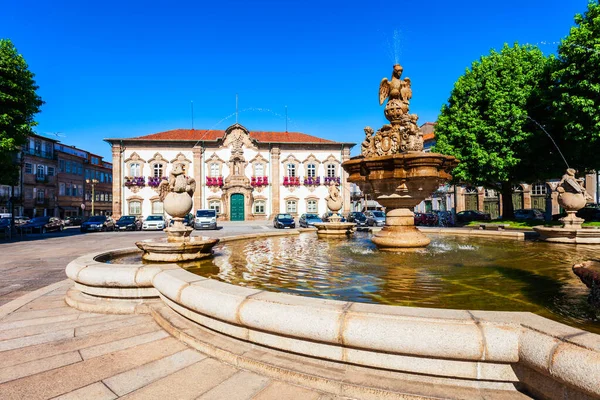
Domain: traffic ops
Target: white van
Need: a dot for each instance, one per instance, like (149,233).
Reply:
(205,219)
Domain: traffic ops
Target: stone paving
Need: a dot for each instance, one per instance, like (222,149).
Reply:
(40,260)
(51,351)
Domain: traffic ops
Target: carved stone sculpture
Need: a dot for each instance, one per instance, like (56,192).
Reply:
(176,195)
(572,197)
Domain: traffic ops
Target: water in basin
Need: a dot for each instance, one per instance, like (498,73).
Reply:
(453,272)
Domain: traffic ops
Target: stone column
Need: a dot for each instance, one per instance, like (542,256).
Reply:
(275,165)
(117,183)
(526,196)
(345,184)
(480,199)
(197,160)
(460,199)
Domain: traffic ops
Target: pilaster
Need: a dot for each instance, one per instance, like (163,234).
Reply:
(344,181)
(197,161)
(117,183)
(275,185)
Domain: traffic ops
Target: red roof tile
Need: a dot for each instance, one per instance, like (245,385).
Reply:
(211,135)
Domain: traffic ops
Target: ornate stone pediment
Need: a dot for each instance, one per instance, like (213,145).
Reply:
(237,137)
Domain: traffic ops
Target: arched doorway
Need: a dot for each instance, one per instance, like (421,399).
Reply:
(517,197)
(236,207)
(471,199)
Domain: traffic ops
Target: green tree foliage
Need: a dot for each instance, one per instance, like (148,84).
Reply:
(19,103)
(576,91)
(486,123)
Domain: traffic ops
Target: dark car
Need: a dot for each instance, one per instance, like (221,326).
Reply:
(284,221)
(128,223)
(98,223)
(325,217)
(42,225)
(589,213)
(308,220)
(73,221)
(472,215)
(529,214)
(188,220)
(375,218)
(4,225)
(358,218)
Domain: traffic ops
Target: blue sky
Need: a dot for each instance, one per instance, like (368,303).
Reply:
(129,68)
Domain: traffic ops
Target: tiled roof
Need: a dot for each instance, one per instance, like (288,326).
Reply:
(428,136)
(211,135)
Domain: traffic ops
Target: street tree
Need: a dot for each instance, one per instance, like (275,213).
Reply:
(19,103)
(487,123)
(576,91)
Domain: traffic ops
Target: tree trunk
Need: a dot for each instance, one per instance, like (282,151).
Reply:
(508,210)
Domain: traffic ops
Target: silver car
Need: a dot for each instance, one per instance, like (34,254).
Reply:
(375,218)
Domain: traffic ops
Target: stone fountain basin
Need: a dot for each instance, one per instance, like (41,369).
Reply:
(163,250)
(483,348)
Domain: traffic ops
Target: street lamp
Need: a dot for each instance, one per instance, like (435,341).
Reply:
(93,183)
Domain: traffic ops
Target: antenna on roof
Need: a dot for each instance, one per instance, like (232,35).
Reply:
(286,119)
(236,108)
(192,114)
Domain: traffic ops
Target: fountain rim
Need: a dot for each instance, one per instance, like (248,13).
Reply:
(348,332)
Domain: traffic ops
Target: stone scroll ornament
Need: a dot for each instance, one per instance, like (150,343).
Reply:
(176,193)
(403,133)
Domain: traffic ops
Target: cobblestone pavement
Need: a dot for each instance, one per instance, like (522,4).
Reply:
(49,350)
(38,260)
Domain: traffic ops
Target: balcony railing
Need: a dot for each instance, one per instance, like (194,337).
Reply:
(40,153)
(42,202)
(41,178)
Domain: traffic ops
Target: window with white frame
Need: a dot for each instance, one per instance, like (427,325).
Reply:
(61,189)
(490,193)
(291,206)
(134,169)
(259,207)
(40,195)
(214,170)
(539,189)
(40,171)
(215,205)
(331,170)
(311,170)
(312,206)
(259,169)
(135,207)
(157,207)
(50,171)
(158,170)
(28,168)
(291,170)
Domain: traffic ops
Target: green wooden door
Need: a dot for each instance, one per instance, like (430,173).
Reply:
(471,202)
(538,202)
(492,207)
(237,207)
(517,199)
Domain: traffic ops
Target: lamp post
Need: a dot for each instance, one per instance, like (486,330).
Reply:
(93,183)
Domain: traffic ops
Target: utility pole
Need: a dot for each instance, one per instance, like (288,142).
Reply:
(192,114)
(286,120)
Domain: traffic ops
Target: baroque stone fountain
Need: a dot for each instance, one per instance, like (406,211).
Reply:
(394,168)
(176,194)
(334,227)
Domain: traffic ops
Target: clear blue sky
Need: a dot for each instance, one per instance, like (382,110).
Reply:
(128,68)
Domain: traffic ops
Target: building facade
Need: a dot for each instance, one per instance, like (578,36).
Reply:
(242,175)
(38,177)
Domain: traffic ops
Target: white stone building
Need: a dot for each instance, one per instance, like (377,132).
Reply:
(243,175)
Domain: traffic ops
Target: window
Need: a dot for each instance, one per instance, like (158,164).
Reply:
(538,189)
(259,170)
(291,206)
(291,170)
(214,170)
(134,169)
(331,170)
(311,170)
(79,169)
(158,170)
(68,167)
(259,207)
(489,193)
(28,168)
(68,189)
(88,196)
(61,165)
(61,189)
(40,195)
(215,205)
(311,206)
(135,207)
(110,197)
(40,171)
(38,146)
(95,160)
(50,171)
(157,207)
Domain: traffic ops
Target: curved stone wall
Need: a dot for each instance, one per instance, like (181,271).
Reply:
(495,349)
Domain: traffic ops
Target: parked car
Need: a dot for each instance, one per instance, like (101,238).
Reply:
(73,221)
(128,223)
(426,219)
(4,226)
(188,220)
(472,215)
(325,217)
(284,221)
(529,214)
(358,218)
(42,225)
(308,220)
(20,220)
(375,218)
(154,222)
(98,223)
(589,213)
(205,219)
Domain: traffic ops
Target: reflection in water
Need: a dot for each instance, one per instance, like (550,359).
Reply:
(453,272)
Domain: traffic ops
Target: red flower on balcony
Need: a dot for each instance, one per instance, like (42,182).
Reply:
(214,181)
(291,181)
(258,181)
